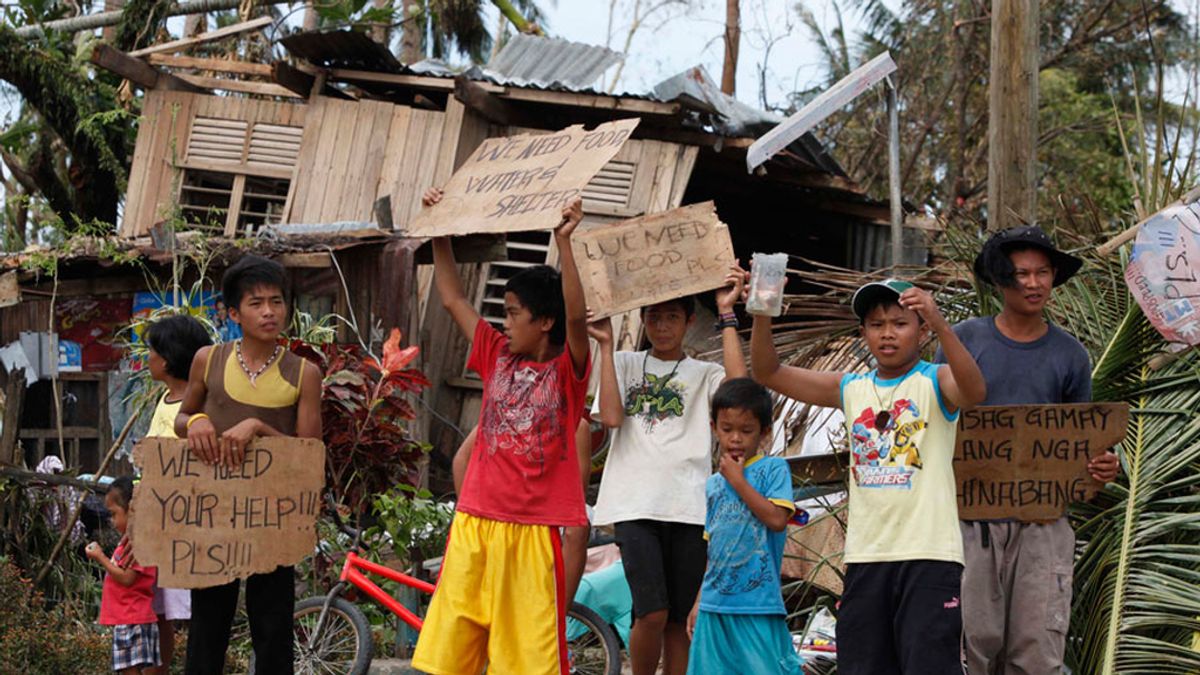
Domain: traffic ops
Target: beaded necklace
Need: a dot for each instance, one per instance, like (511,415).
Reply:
(253,375)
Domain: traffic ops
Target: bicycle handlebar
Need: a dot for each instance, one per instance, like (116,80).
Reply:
(354,533)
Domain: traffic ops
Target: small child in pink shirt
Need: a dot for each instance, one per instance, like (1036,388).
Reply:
(127,602)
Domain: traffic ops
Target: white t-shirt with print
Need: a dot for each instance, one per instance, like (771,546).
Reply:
(660,458)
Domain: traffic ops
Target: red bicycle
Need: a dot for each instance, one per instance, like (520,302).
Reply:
(332,635)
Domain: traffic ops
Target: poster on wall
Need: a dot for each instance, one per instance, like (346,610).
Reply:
(207,303)
(88,332)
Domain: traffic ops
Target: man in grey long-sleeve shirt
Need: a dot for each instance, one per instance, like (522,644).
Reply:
(1016,583)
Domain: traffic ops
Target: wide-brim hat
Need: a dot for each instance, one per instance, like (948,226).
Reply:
(1065,264)
(869,295)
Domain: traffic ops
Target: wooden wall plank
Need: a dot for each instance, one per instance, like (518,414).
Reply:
(393,161)
(448,141)
(169,144)
(373,153)
(313,195)
(421,157)
(346,114)
(683,173)
(139,168)
(295,211)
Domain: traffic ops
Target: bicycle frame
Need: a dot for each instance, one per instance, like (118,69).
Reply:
(352,573)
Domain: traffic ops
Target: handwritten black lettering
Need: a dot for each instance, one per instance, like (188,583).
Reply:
(987,418)
(986,449)
(176,464)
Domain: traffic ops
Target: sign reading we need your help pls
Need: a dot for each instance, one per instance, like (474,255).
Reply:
(204,525)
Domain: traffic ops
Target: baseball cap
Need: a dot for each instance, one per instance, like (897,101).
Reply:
(868,294)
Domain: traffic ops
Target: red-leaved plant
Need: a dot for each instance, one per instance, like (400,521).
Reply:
(366,417)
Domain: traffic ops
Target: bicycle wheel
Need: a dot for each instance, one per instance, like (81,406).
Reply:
(344,645)
(592,644)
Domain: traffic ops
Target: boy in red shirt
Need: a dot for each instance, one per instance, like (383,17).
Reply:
(128,594)
(501,600)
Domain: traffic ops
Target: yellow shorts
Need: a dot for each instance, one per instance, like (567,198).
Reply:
(499,602)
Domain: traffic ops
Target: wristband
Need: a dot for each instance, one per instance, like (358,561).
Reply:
(727,323)
(193,418)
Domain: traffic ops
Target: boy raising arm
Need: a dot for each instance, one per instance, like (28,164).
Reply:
(500,600)
(900,609)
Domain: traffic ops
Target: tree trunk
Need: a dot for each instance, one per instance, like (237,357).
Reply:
(509,11)
(110,32)
(410,39)
(379,31)
(98,20)
(1012,114)
(196,24)
(733,36)
(310,17)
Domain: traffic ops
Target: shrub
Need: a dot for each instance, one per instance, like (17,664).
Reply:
(36,640)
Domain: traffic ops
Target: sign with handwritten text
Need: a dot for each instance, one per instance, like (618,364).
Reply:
(207,525)
(1164,272)
(520,183)
(1028,462)
(652,259)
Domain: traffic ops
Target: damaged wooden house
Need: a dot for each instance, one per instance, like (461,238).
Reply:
(320,158)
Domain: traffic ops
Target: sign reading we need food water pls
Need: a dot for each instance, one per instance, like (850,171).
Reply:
(207,525)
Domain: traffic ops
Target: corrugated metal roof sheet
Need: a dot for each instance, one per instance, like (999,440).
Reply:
(542,63)
(528,60)
(736,119)
(342,49)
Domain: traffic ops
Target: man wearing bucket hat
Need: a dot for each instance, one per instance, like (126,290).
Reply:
(1017,581)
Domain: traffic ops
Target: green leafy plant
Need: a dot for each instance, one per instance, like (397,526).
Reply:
(415,523)
(366,415)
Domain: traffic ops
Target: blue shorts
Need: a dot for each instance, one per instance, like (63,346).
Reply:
(733,644)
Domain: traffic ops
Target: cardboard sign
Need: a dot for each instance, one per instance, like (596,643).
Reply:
(1029,462)
(1162,271)
(207,525)
(652,259)
(521,183)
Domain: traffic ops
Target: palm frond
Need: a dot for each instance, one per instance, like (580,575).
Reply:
(1137,578)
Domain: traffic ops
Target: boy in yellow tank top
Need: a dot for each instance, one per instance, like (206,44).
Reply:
(900,609)
(237,391)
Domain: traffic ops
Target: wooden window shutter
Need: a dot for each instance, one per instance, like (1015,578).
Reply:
(274,145)
(612,185)
(218,141)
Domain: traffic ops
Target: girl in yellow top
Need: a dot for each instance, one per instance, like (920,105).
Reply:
(173,343)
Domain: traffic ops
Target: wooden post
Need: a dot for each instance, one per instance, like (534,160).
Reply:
(894,187)
(733,38)
(1012,110)
(14,398)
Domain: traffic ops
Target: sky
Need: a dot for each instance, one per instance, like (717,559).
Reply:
(680,34)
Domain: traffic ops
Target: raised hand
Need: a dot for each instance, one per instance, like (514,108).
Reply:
(921,301)
(432,196)
(736,281)
(600,330)
(572,214)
